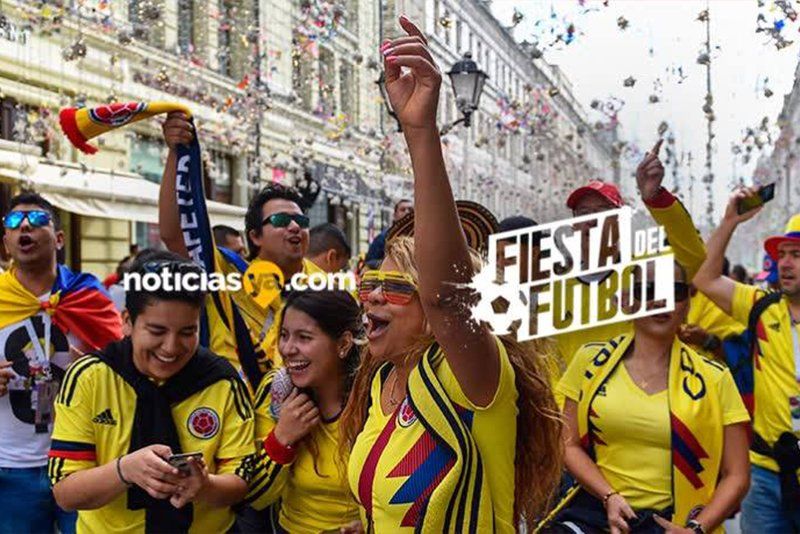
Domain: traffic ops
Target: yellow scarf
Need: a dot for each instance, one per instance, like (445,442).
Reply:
(695,416)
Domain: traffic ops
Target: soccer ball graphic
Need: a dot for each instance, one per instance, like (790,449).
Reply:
(116,114)
(500,321)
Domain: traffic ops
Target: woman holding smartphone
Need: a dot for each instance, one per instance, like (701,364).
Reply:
(656,434)
(297,416)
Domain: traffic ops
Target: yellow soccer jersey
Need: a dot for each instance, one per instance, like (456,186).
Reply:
(313,497)
(707,315)
(396,463)
(777,391)
(94,418)
(638,464)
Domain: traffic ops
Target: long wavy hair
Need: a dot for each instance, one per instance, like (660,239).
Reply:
(539,447)
(335,312)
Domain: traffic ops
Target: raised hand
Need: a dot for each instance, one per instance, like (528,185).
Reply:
(732,210)
(650,173)
(414,95)
(177,129)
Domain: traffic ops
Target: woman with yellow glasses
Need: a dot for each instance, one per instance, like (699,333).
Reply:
(448,428)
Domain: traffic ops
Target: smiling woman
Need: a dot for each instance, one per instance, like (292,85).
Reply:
(297,416)
(157,394)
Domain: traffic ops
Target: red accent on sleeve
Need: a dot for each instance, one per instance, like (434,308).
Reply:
(88,456)
(662,199)
(278,452)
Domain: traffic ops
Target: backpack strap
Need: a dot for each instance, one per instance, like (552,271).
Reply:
(755,314)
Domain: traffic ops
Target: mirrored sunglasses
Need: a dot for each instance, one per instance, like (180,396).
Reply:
(282,220)
(36,218)
(398,288)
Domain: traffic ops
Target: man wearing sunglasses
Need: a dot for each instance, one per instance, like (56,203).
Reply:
(35,350)
(277,232)
(773,323)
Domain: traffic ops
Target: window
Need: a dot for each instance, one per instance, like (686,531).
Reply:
(146,159)
(448,30)
(224,37)
(351,16)
(7,116)
(220,176)
(436,14)
(459,37)
(327,80)
(147,235)
(186,26)
(348,91)
(302,74)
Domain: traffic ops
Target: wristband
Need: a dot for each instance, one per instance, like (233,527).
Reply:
(696,527)
(279,453)
(608,496)
(119,473)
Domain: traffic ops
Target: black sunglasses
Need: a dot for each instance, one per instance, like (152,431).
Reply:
(649,291)
(282,220)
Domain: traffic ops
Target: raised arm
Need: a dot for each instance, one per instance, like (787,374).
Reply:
(667,211)
(441,250)
(177,130)
(709,279)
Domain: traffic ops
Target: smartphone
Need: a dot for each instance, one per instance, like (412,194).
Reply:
(181,461)
(765,194)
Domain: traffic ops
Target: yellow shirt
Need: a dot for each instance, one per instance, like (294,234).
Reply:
(710,317)
(314,497)
(775,375)
(93,423)
(633,446)
(396,462)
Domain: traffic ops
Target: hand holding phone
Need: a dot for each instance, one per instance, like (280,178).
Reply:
(181,461)
(765,194)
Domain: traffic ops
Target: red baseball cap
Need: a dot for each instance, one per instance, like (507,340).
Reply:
(604,189)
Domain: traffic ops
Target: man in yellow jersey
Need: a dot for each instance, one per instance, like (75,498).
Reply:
(123,413)
(277,236)
(666,209)
(773,503)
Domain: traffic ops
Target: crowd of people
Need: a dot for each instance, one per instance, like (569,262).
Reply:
(389,409)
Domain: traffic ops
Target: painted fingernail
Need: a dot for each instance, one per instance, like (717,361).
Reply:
(385,44)
(387,52)
(391,59)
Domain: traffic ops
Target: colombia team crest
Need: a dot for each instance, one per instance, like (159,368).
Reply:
(406,416)
(116,114)
(203,423)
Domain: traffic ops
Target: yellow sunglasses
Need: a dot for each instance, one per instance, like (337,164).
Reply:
(398,288)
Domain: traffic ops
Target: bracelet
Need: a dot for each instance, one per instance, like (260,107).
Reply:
(119,472)
(278,452)
(696,526)
(608,496)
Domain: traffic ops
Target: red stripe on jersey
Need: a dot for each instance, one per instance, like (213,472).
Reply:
(85,456)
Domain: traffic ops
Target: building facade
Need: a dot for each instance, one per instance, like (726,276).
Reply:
(280,90)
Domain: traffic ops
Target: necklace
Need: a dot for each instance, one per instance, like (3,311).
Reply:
(393,402)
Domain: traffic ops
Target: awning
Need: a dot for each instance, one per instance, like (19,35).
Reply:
(100,193)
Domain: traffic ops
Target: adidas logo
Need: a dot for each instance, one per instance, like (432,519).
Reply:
(105,418)
(776,326)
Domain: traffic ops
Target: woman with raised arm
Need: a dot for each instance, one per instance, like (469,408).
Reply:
(451,429)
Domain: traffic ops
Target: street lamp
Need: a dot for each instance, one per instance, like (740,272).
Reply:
(381,82)
(468,81)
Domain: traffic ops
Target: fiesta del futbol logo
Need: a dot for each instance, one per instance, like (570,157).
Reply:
(203,423)
(116,114)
